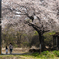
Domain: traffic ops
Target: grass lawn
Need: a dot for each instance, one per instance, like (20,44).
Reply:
(43,55)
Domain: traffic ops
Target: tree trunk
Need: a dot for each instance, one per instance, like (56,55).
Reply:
(19,40)
(0,27)
(41,39)
(42,43)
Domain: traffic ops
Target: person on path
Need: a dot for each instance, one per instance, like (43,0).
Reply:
(6,50)
(10,48)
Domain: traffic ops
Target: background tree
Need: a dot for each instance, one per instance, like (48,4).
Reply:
(39,14)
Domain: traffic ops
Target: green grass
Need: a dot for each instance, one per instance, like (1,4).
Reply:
(43,55)
(47,54)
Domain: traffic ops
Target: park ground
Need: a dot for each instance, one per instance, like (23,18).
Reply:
(44,55)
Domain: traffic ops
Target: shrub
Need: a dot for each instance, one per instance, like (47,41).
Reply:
(45,52)
(50,55)
(35,54)
(56,53)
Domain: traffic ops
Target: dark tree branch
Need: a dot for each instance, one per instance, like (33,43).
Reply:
(31,17)
(34,26)
(38,29)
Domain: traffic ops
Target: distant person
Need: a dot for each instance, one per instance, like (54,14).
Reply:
(6,50)
(10,48)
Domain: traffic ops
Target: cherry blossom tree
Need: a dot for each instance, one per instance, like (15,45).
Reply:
(39,14)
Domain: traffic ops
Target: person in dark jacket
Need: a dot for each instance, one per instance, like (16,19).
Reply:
(10,48)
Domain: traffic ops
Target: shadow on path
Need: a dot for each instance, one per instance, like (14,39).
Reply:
(16,54)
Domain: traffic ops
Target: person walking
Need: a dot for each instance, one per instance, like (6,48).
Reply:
(10,48)
(6,50)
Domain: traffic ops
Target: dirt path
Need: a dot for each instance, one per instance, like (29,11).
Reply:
(16,50)
(16,57)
